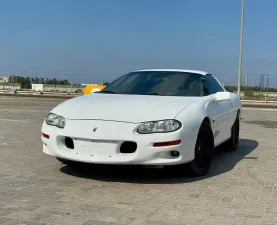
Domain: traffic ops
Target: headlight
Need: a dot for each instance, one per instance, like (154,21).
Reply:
(161,126)
(55,120)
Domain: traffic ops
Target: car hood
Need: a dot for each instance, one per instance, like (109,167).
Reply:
(125,108)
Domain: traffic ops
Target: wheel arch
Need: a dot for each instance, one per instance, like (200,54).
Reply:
(207,120)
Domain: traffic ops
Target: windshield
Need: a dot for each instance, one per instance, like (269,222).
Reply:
(162,83)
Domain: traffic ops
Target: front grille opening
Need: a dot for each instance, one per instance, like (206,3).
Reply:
(128,147)
(69,143)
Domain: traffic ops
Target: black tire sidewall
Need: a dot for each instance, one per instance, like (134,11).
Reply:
(234,144)
(205,127)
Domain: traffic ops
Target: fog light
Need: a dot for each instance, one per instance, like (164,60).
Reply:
(175,153)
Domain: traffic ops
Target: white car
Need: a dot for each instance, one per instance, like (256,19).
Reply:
(154,117)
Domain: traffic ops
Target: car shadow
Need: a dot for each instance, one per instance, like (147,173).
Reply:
(224,161)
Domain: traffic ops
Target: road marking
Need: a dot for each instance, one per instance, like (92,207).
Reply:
(11,120)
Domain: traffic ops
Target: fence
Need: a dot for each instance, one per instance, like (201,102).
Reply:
(46,87)
(9,86)
(62,89)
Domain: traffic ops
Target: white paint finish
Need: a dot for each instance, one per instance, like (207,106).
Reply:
(127,108)
(221,114)
(223,119)
(118,116)
(222,96)
(176,70)
(106,152)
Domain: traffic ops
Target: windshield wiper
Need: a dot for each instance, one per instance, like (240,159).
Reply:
(108,92)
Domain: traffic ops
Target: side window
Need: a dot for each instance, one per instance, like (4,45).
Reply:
(213,85)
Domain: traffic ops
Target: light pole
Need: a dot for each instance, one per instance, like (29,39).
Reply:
(241,44)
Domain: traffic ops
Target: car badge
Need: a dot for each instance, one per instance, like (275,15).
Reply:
(94,129)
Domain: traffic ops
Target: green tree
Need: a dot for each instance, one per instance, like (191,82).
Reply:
(36,80)
(41,80)
(10,79)
(55,81)
(28,84)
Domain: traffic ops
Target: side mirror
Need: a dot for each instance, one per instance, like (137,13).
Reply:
(222,96)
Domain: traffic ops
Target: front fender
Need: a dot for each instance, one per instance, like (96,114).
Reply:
(193,115)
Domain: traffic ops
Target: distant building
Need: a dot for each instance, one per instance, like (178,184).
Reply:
(4,79)
(37,87)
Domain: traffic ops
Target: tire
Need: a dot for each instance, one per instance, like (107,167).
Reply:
(204,151)
(233,142)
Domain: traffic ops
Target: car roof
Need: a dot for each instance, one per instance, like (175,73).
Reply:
(177,70)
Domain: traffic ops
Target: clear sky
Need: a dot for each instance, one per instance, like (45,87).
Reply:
(88,41)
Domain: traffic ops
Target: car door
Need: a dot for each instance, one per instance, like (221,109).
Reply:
(221,110)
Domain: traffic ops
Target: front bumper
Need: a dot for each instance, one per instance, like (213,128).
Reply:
(102,146)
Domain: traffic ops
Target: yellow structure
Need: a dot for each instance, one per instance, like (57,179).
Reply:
(93,88)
